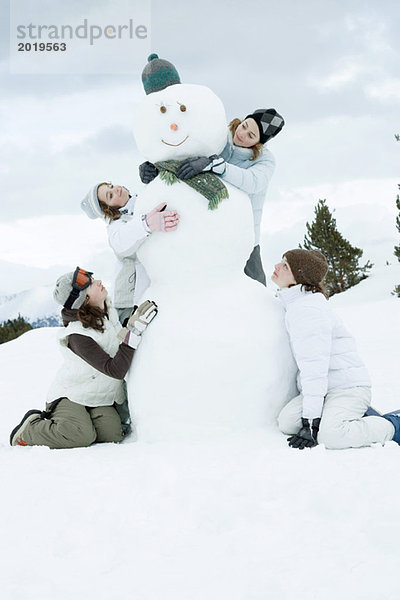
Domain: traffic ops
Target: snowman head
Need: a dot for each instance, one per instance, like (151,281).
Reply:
(177,121)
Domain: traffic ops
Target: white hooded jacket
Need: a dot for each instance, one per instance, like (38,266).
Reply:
(125,236)
(325,352)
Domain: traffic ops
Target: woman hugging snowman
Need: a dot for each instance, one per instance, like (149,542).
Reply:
(333,406)
(245,162)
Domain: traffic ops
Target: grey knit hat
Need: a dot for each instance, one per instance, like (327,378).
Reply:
(90,204)
(63,289)
(269,123)
(307,266)
(158,74)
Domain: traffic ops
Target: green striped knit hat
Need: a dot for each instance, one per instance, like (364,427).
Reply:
(158,74)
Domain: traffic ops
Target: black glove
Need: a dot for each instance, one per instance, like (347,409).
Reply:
(201,164)
(307,436)
(147,172)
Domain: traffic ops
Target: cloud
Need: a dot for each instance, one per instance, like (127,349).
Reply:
(386,90)
(334,149)
(345,72)
(49,240)
(371,28)
(117,139)
(367,55)
(69,117)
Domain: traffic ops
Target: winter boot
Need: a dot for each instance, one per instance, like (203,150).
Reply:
(16,438)
(394,418)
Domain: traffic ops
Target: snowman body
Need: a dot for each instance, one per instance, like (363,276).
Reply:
(216,359)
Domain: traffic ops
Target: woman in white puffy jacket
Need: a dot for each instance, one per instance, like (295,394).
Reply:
(126,231)
(334,385)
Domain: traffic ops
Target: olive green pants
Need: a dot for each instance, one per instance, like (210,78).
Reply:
(71,425)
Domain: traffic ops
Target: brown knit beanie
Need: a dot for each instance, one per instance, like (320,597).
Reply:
(307,266)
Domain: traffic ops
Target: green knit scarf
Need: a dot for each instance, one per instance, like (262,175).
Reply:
(207,184)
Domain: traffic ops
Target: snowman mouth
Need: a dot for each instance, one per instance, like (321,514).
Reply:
(180,143)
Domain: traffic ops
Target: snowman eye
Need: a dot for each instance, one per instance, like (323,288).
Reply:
(183,108)
(163,109)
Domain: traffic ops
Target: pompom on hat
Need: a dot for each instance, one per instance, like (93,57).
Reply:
(90,204)
(158,74)
(308,266)
(269,123)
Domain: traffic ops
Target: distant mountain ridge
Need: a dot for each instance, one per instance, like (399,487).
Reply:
(36,306)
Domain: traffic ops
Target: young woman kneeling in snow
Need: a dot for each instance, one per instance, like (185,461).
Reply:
(334,385)
(246,163)
(97,354)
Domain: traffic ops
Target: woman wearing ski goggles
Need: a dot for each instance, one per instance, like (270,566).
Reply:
(97,352)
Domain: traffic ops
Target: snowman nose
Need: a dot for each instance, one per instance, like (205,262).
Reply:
(174,126)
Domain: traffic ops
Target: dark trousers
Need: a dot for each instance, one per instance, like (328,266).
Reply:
(254,267)
(123,409)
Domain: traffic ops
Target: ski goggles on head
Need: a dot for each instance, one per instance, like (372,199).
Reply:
(80,281)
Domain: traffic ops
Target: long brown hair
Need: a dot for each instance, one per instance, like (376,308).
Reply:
(257,148)
(91,316)
(110,212)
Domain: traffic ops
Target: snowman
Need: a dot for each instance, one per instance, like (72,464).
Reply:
(216,359)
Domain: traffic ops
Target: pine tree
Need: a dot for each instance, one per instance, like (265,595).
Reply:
(12,328)
(342,257)
(397,248)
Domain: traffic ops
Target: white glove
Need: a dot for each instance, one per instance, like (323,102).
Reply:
(138,321)
(129,338)
(142,316)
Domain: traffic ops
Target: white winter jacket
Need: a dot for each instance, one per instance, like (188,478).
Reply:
(125,236)
(325,352)
(80,382)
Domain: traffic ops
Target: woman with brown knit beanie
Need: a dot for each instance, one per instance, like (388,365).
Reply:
(333,405)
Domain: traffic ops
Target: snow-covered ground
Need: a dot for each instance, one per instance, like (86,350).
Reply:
(239,518)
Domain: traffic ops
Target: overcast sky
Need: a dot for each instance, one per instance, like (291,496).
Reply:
(332,68)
